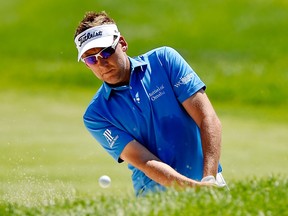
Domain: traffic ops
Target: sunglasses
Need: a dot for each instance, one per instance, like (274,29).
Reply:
(104,53)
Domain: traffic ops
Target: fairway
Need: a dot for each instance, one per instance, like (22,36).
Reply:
(50,163)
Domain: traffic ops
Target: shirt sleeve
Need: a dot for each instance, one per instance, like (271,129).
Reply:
(184,80)
(112,139)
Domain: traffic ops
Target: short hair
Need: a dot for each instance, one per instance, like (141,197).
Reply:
(92,19)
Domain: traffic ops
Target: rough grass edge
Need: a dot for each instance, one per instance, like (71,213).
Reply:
(253,196)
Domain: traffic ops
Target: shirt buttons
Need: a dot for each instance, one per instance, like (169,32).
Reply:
(137,99)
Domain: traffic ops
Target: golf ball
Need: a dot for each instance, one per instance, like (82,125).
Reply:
(104,181)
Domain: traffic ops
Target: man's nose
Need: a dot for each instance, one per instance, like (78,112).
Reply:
(102,62)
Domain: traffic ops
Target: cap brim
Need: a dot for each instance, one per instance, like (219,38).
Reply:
(97,43)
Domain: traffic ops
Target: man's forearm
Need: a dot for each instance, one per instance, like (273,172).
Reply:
(167,176)
(138,156)
(201,111)
(211,133)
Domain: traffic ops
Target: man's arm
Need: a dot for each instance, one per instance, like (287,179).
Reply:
(200,109)
(140,157)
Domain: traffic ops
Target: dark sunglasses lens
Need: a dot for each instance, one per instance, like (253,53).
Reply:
(106,53)
(91,60)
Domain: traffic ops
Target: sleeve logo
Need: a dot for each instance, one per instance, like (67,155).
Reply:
(184,80)
(110,139)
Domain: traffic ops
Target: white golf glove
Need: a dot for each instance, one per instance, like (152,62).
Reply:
(211,179)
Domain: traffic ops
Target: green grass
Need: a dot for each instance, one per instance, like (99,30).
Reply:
(44,138)
(50,164)
(238,49)
(251,197)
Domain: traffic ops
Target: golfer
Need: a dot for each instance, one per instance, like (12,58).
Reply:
(151,111)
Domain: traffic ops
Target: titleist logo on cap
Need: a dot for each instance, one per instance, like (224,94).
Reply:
(97,36)
(83,38)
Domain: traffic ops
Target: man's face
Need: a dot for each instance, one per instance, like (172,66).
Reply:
(114,70)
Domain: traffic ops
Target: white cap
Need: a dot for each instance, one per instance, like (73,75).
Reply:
(98,36)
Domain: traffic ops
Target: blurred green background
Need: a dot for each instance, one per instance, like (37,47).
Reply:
(238,48)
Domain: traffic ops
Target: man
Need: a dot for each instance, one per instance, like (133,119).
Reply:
(151,111)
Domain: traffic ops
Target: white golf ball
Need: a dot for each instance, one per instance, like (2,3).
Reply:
(104,181)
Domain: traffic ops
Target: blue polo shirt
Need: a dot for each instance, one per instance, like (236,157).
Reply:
(149,110)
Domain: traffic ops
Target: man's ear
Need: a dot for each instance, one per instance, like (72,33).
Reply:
(124,44)
(125,48)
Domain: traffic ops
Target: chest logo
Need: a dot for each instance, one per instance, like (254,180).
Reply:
(157,93)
